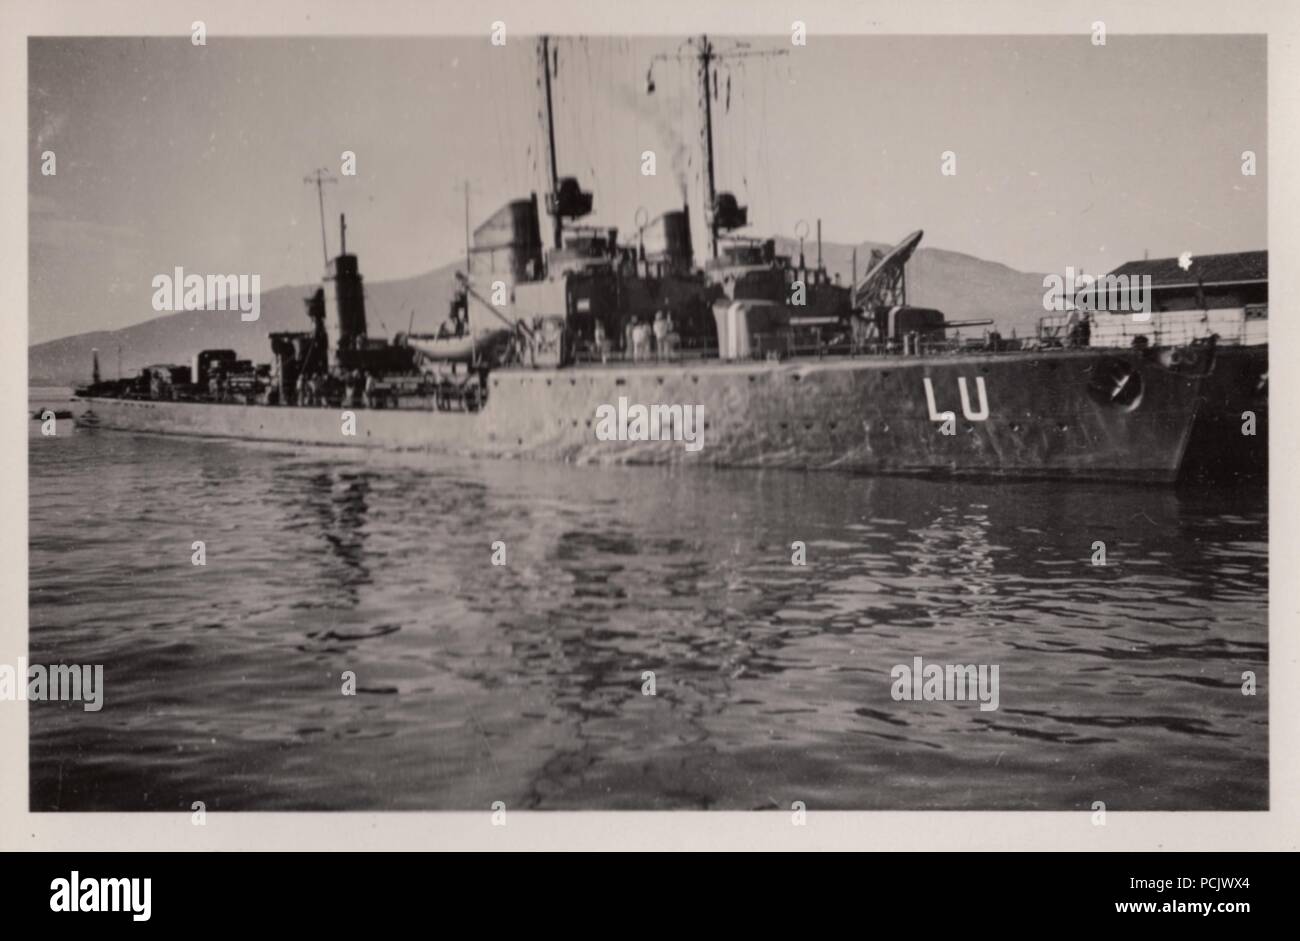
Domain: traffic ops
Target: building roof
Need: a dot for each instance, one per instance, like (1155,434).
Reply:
(1234,267)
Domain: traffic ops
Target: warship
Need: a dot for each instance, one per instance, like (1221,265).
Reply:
(777,363)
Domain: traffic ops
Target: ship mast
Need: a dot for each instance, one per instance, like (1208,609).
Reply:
(706,57)
(544,54)
(321,176)
(705,54)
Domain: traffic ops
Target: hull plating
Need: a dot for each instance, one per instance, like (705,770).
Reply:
(1234,402)
(1024,415)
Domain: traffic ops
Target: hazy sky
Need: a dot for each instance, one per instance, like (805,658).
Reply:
(1067,153)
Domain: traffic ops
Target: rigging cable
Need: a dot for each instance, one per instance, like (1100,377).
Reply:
(593,71)
(594,148)
(744,132)
(721,152)
(491,98)
(636,117)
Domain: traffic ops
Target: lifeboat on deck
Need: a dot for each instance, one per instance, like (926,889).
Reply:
(452,349)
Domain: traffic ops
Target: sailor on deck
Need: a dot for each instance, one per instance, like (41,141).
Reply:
(640,340)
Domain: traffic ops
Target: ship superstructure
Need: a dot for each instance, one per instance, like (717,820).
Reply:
(789,367)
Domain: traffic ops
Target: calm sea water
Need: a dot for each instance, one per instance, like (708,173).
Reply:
(524,683)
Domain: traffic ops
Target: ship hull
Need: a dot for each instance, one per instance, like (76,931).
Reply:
(1021,415)
(1230,436)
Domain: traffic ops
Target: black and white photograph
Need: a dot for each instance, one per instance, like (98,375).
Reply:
(777,420)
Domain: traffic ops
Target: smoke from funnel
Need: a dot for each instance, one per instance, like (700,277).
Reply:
(679,153)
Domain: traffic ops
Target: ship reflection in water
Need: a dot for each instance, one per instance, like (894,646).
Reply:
(523,683)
